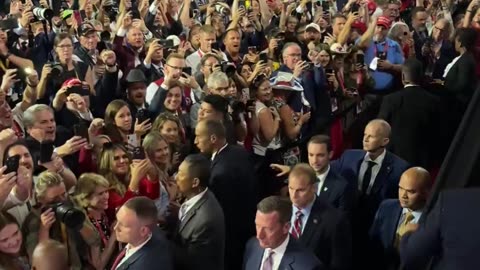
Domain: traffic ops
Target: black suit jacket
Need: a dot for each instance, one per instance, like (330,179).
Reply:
(200,236)
(153,255)
(450,233)
(294,258)
(327,233)
(233,183)
(461,80)
(413,114)
(337,191)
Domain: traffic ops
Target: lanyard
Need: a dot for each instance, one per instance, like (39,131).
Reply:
(385,49)
(4,66)
(96,223)
(341,80)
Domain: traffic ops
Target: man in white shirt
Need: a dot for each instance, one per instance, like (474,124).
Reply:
(207,38)
(274,248)
(146,247)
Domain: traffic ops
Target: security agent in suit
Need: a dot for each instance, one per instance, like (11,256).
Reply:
(274,248)
(449,234)
(318,226)
(375,174)
(331,186)
(412,109)
(200,234)
(394,215)
(146,248)
(233,182)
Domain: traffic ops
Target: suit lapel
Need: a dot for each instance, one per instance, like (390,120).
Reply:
(216,159)
(256,260)
(314,219)
(383,173)
(137,255)
(288,259)
(191,213)
(393,223)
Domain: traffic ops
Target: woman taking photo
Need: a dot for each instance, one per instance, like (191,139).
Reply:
(125,178)
(266,142)
(170,128)
(11,255)
(53,75)
(91,195)
(118,123)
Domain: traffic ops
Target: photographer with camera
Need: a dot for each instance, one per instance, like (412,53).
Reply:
(53,217)
(54,74)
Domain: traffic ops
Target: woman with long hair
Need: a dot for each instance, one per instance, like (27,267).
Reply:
(124,176)
(12,257)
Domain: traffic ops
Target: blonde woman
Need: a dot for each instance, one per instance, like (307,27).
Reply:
(91,195)
(42,225)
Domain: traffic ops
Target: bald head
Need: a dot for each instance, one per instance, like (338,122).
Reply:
(50,255)
(414,188)
(376,136)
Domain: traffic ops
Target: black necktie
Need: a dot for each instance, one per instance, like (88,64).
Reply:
(367,177)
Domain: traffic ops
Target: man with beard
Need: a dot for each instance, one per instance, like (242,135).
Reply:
(420,34)
(136,90)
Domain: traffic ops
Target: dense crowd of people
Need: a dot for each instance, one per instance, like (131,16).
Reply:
(246,134)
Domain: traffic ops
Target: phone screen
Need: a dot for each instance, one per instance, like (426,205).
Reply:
(138,153)
(46,151)
(12,164)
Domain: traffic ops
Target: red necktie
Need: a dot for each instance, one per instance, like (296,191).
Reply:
(297,226)
(119,259)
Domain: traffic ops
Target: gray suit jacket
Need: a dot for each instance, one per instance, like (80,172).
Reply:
(153,255)
(200,236)
(295,257)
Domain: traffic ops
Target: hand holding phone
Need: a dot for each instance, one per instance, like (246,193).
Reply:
(12,163)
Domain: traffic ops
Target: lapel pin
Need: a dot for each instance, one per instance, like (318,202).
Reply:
(325,189)
(315,221)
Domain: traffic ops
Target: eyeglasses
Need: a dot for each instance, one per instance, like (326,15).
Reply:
(440,29)
(295,55)
(174,67)
(66,46)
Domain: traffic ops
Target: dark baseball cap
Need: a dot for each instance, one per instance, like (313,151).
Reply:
(86,29)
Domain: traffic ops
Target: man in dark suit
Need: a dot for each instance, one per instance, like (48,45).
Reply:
(394,215)
(233,182)
(146,248)
(331,186)
(318,226)
(274,248)
(413,114)
(374,173)
(200,234)
(450,233)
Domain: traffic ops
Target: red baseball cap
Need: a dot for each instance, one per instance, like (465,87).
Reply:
(372,6)
(384,21)
(71,82)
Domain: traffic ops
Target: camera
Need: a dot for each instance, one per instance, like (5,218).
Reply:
(221,9)
(57,69)
(382,55)
(42,13)
(111,10)
(228,68)
(67,214)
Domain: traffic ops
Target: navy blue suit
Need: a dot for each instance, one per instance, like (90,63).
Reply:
(450,233)
(337,192)
(382,234)
(294,258)
(386,182)
(328,234)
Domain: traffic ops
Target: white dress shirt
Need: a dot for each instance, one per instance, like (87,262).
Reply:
(194,59)
(219,150)
(131,250)
(321,180)
(277,255)
(416,216)
(190,203)
(375,170)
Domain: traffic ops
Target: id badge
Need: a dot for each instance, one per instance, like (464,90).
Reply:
(333,102)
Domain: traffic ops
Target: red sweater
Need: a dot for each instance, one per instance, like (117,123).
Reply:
(146,188)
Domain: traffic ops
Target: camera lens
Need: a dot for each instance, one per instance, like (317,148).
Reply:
(70,216)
